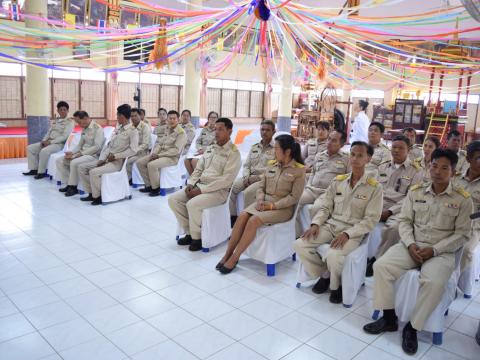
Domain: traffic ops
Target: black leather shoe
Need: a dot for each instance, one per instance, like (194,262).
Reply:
(40,176)
(233,219)
(336,296)
(321,286)
(130,182)
(225,270)
(30,173)
(218,266)
(146,189)
(409,340)
(369,270)
(72,190)
(154,192)
(88,198)
(186,240)
(64,189)
(196,245)
(97,201)
(380,326)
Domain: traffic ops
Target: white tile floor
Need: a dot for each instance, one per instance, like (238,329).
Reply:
(109,282)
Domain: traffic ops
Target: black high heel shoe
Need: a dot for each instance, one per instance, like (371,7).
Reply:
(224,270)
(219,266)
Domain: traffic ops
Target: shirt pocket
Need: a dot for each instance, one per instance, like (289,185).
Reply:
(358,205)
(445,218)
(420,213)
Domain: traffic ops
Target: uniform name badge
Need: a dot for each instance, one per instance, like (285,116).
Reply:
(452,206)
(361,197)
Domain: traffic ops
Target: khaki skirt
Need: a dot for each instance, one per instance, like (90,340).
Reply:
(271,217)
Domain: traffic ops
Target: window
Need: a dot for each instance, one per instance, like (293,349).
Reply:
(228,103)
(93,98)
(10,97)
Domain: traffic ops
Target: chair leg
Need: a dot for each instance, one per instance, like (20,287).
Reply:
(466,296)
(375,314)
(205,250)
(163,192)
(298,285)
(81,192)
(446,313)
(270,269)
(294,257)
(134,186)
(59,183)
(437,338)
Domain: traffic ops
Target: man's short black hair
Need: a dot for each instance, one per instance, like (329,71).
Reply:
(453,133)
(268,122)
(446,153)
(125,110)
(403,138)
(63,104)
(173,112)
(409,129)
(228,123)
(323,125)
(343,135)
(160,109)
(377,124)
(365,145)
(473,147)
(141,112)
(80,114)
(187,111)
(137,110)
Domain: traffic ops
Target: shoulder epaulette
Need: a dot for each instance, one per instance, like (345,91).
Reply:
(180,130)
(462,192)
(341,177)
(463,152)
(372,181)
(271,162)
(385,146)
(416,187)
(234,147)
(416,165)
(299,166)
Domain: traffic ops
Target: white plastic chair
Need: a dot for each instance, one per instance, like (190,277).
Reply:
(470,274)
(136,177)
(115,185)
(193,147)
(353,273)
(406,292)
(173,176)
(72,141)
(273,243)
(375,239)
(305,217)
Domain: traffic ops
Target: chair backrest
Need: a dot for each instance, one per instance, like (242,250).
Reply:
(248,141)
(124,166)
(153,139)
(107,132)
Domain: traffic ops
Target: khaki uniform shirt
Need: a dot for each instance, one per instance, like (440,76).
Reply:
(282,185)
(473,188)
(217,168)
(206,138)
(311,149)
(416,151)
(352,211)
(381,155)
(462,164)
(123,143)
(190,131)
(441,221)
(423,168)
(326,168)
(144,132)
(257,160)
(171,144)
(59,131)
(91,140)
(396,182)
(160,130)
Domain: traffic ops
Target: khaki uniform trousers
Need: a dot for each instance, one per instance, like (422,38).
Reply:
(91,175)
(313,263)
(249,195)
(434,274)
(308,197)
(189,211)
(131,160)
(69,169)
(150,170)
(38,157)
(469,249)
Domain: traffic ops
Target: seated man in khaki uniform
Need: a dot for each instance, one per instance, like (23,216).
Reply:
(416,150)
(162,126)
(53,141)
(396,178)
(454,143)
(166,152)
(123,143)
(253,168)
(328,164)
(349,210)
(189,128)
(381,152)
(204,140)
(434,224)
(87,150)
(470,181)
(144,132)
(316,145)
(208,186)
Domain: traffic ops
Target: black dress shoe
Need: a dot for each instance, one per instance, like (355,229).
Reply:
(71,191)
(409,340)
(186,240)
(196,245)
(97,201)
(87,198)
(233,219)
(130,182)
(336,296)
(30,173)
(225,270)
(381,326)
(218,266)
(369,270)
(146,189)
(321,286)
(154,192)
(40,176)
(64,189)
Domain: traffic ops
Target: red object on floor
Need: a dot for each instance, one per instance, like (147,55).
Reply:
(9,131)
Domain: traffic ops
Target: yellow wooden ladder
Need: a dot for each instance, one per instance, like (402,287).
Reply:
(437,126)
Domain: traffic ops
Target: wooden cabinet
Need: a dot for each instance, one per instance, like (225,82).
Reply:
(409,113)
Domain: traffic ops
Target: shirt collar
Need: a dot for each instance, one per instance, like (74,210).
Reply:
(464,177)
(447,191)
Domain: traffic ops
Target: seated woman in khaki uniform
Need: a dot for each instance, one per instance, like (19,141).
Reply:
(429,145)
(279,191)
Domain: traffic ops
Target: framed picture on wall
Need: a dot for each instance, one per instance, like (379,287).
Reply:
(98,11)
(77,8)
(55,10)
